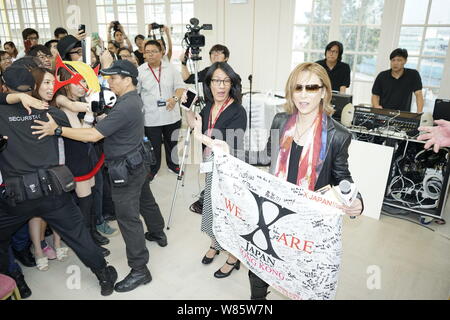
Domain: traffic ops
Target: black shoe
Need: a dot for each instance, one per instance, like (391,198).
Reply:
(98,238)
(24,290)
(258,287)
(105,252)
(109,217)
(160,239)
(25,257)
(133,280)
(48,231)
(219,274)
(197,207)
(207,260)
(107,277)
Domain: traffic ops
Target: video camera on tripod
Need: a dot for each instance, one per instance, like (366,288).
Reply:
(194,39)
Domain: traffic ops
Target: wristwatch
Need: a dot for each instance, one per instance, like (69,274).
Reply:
(176,99)
(58,132)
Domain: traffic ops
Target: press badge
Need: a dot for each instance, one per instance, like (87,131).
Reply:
(206,167)
(162,103)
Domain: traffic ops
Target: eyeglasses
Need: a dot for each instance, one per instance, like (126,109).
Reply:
(152,52)
(309,88)
(333,51)
(32,38)
(79,51)
(125,56)
(217,82)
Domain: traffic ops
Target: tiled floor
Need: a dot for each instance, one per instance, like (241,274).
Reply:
(414,262)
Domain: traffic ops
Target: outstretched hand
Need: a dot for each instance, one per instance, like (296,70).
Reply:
(45,128)
(436,136)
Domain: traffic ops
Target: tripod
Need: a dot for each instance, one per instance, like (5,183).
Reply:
(200,104)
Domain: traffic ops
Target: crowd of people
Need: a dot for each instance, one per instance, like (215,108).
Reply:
(76,169)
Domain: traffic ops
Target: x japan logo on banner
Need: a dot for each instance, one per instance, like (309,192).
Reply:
(288,236)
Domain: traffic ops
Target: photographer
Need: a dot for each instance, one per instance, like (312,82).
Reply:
(139,53)
(127,162)
(218,53)
(32,191)
(120,37)
(161,88)
(167,54)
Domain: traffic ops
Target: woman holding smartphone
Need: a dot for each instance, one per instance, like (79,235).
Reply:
(225,119)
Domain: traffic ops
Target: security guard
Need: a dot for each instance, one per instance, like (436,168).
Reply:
(37,186)
(123,131)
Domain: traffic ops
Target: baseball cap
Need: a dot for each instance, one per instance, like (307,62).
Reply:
(18,78)
(122,67)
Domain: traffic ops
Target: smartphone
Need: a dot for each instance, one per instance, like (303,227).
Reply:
(191,95)
(95,36)
(27,44)
(82,27)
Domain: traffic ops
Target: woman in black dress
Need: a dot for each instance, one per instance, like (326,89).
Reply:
(223,118)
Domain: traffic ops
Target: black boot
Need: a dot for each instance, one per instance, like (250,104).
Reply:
(107,277)
(258,287)
(24,290)
(160,238)
(105,252)
(133,280)
(25,257)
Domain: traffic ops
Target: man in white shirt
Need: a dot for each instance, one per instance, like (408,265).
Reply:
(161,87)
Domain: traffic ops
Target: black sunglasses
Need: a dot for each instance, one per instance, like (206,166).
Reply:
(3,143)
(310,88)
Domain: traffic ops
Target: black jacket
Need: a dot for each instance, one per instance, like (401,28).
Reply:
(335,168)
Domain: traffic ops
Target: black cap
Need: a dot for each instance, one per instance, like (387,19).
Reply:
(122,67)
(66,44)
(18,78)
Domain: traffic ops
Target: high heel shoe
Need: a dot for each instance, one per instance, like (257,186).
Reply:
(207,260)
(219,274)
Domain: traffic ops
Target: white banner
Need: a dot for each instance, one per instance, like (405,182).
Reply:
(288,236)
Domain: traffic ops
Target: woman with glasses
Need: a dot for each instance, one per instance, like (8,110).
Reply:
(313,148)
(44,55)
(5,63)
(225,119)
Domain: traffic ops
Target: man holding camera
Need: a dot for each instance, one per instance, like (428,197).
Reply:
(218,53)
(167,52)
(36,186)
(127,162)
(120,37)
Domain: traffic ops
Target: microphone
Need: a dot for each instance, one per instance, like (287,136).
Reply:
(250,78)
(348,193)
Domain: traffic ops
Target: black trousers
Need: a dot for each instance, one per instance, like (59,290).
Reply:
(158,135)
(130,202)
(63,215)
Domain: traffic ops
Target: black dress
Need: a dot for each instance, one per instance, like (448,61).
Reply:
(233,117)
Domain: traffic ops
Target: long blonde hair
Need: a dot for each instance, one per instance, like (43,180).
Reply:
(319,71)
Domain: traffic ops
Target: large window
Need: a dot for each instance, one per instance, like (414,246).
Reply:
(173,13)
(123,11)
(16,15)
(425,32)
(311,30)
(358,28)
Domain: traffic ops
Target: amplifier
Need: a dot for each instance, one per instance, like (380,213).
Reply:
(391,120)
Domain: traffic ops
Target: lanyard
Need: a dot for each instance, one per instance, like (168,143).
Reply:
(212,125)
(157,79)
